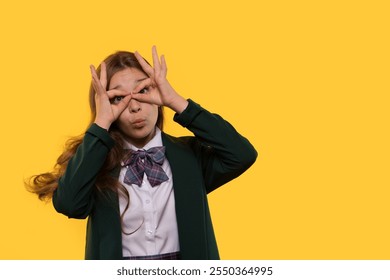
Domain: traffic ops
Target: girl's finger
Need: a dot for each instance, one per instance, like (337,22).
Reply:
(117,92)
(95,78)
(145,83)
(146,98)
(93,72)
(156,61)
(164,68)
(145,66)
(96,81)
(97,86)
(103,75)
(123,103)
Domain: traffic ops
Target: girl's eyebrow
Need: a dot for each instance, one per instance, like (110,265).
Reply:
(137,81)
(116,87)
(140,80)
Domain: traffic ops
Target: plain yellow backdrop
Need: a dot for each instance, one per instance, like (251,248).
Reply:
(307,82)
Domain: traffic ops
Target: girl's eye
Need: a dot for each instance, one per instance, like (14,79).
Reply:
(144,90)
(117,99)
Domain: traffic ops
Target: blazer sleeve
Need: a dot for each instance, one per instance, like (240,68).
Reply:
(74,195)
(225,154)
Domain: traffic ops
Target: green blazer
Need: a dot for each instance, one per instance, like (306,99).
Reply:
(200,164)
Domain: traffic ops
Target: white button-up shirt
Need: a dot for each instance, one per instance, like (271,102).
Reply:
(149,224)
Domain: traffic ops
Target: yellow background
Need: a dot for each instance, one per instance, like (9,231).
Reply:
(306,81)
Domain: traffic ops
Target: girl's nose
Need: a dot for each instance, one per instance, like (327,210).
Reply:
(134,106)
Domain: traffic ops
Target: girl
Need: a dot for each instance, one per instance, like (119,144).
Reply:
(144,192)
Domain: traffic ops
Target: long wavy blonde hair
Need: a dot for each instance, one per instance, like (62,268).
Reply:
(46,183)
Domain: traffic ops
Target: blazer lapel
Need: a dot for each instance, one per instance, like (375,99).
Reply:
(189,198)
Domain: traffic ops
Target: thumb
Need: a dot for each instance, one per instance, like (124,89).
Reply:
(149,97)
(142,97)
(122,105)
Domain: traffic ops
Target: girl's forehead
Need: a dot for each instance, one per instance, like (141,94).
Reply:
(126,77)
(128,74)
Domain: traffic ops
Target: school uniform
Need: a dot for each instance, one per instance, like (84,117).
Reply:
(200,164)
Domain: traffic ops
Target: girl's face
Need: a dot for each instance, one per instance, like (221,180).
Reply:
(137,122)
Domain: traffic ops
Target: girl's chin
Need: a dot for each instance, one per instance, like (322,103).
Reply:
(140,137)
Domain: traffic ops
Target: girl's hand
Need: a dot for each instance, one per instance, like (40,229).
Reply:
(158,89)
(106,111)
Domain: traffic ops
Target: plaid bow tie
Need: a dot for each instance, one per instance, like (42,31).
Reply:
(149,162)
